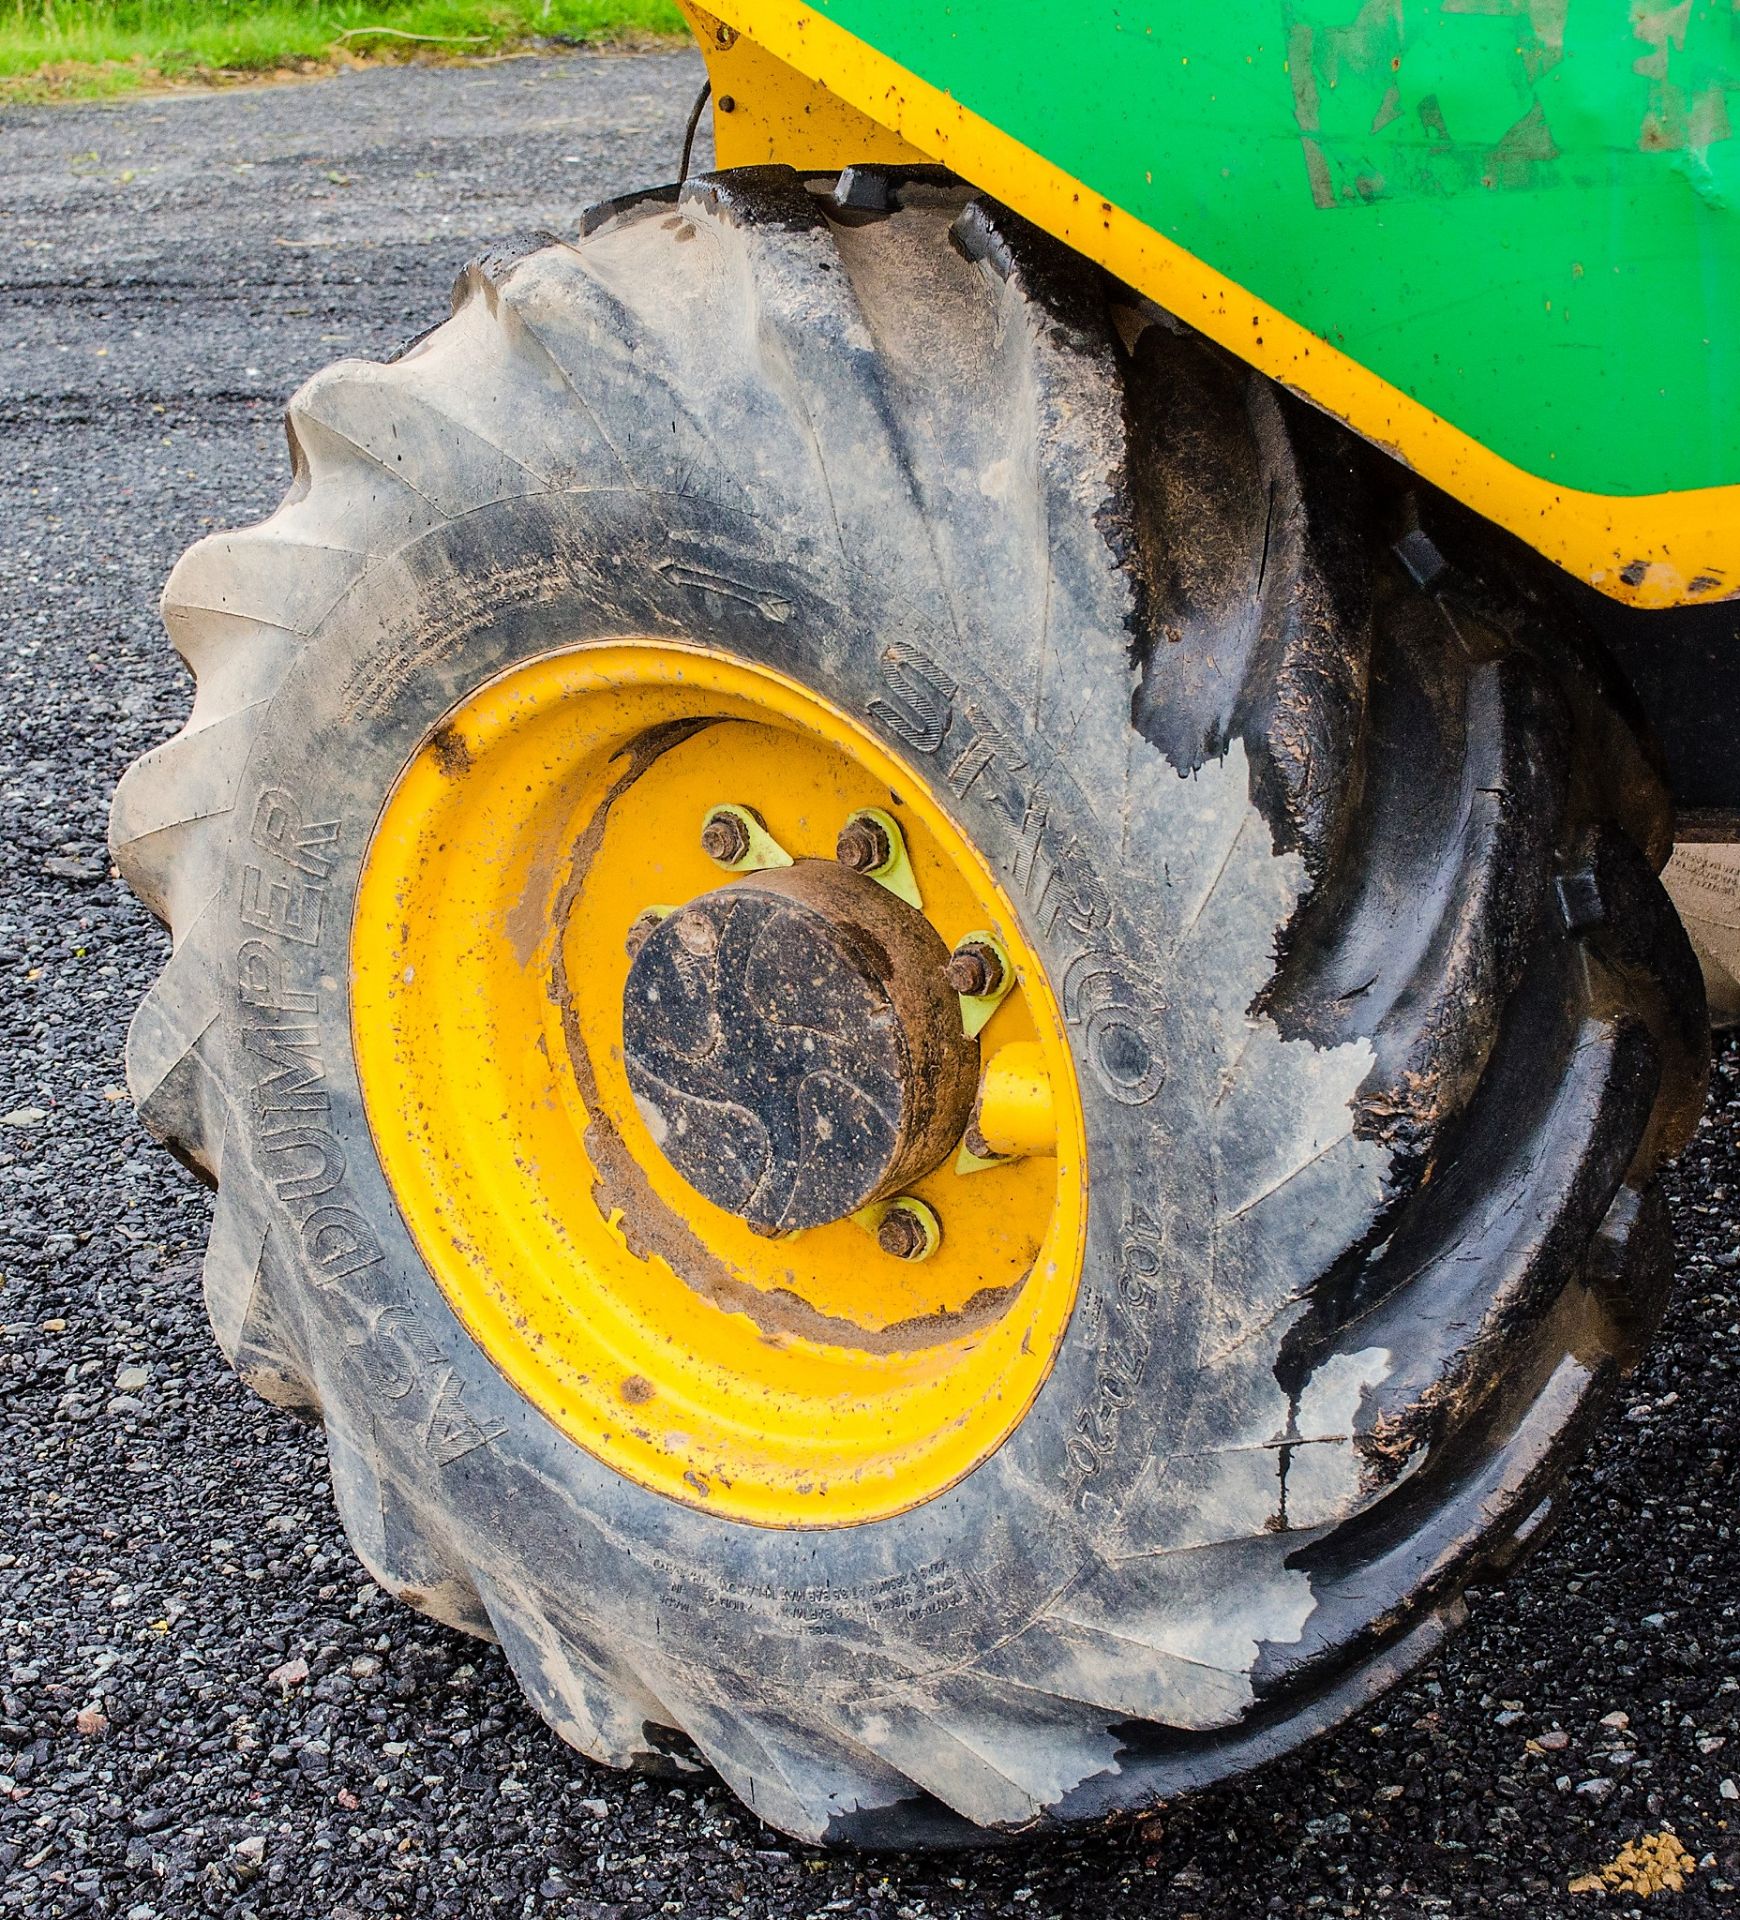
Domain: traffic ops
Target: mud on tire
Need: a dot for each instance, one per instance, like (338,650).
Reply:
(1383,1024)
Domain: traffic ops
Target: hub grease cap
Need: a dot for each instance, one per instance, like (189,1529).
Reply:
(794,1047)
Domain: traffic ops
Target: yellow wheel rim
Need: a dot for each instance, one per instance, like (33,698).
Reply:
(799,1382)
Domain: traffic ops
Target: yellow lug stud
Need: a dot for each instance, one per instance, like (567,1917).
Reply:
(1016,1115)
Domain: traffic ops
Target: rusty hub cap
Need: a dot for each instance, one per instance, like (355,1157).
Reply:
(794,1047)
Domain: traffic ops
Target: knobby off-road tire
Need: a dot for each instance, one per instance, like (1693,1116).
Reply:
(1347,886)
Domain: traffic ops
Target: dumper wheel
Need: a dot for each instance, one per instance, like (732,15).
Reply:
(948,1100)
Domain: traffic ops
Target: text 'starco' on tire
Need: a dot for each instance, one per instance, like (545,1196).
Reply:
(950,1091)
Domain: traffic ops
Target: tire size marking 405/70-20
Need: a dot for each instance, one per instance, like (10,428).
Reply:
(1125,1334)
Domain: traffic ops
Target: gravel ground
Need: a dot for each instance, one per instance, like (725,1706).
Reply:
(204,1707)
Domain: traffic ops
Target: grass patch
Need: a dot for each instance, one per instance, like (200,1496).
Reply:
(86,49)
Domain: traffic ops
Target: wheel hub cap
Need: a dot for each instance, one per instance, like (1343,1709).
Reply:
(794,1046)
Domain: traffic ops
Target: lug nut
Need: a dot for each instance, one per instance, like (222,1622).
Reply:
(724,838)
(974,969)
(863,845)
(901,1235)
(640,929)
(908,1231)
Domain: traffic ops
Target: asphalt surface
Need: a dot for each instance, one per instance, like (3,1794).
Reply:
(204,1706)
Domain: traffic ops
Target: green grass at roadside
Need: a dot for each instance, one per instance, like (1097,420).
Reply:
(83,49)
